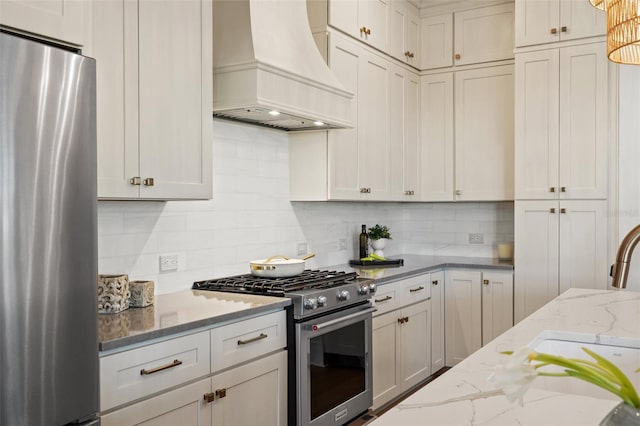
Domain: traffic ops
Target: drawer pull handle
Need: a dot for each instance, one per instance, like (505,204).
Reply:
(485,282)
(253,339)
(413,290)
(175,363)
(434,282)
(384,299)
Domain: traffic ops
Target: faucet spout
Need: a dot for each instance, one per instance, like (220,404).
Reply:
(620,271)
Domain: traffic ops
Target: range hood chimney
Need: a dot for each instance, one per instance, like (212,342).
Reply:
(267,69)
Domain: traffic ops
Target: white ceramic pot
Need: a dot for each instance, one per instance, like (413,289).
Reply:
(278,266)
(378,246)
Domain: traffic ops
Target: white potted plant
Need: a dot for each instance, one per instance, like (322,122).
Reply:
(378,235)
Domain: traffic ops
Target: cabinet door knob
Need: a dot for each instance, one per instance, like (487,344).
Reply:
(563,210)
(434,282)
(135,180)
(457,56)
(363,30)
(400,320)
(221,393)
(563,189)
(563,29)
(209,397)
(552,210)
(485,282)
(554,30)
(552,189)
(368,31)
(458,192)
(148,182)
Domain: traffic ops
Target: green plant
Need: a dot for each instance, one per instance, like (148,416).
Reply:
(377,232)
(522,367)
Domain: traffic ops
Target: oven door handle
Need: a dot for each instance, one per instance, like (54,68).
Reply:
(317,327)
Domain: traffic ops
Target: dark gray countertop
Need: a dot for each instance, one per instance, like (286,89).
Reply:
(179,312)
(190,309)
(419,264)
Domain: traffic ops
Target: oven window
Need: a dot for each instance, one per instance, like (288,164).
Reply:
(337,370)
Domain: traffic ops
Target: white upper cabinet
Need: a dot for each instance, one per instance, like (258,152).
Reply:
(547,21)
(561,138)
(403,136)
(404,32)
(367,20)
(358,157)
(154,99)
(436,41)
(484,134)
(436,137)
(472,36)
(60,20)
(484,34)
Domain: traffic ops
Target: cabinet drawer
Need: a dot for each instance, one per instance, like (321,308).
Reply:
(239,342)
(415,289)
(130,375)
(387,298)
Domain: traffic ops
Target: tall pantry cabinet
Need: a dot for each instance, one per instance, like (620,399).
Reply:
(561,156)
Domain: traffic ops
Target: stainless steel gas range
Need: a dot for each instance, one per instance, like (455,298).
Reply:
(329,341)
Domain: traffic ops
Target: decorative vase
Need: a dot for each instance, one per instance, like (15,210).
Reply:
(378,246)
(622,414)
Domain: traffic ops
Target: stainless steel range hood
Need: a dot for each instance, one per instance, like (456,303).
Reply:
(267,69)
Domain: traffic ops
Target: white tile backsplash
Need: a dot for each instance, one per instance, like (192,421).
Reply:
(250,217)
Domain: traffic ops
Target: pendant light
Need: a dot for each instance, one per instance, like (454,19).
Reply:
(623,30)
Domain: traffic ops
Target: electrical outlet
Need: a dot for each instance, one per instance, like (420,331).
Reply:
(169,263)
(302,249)
(476,238)
(342,243)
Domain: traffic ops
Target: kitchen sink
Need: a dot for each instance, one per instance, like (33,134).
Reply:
(623,352)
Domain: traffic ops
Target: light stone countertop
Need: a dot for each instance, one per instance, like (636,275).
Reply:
(178,312)
(415,264)
(463,396)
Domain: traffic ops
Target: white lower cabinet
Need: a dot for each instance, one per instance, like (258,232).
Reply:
(204,378)
(255,393)
(183,406)
(263,382)
(401,339)
(478,307)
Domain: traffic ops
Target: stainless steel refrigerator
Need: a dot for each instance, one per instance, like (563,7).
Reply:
(48,327)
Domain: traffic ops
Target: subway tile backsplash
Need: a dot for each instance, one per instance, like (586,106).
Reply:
(251,217)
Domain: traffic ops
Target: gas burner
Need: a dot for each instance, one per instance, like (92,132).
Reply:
(312,292)
(308,279)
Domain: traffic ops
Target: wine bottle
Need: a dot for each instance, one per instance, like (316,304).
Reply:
(363,242)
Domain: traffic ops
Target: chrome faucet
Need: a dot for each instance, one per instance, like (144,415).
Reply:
(620,271)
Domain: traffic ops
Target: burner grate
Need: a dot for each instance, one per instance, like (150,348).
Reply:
(309,279)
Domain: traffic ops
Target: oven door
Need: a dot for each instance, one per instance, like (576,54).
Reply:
(334,367)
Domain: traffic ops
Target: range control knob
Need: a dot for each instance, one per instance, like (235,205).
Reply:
(363,290)
(372,288)
(344,295)
(322,301)
(311,303)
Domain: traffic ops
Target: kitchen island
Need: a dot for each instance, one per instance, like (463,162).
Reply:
(464,396)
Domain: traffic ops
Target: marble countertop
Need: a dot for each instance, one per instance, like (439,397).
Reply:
(415,264)
(463,395)
(178,312)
